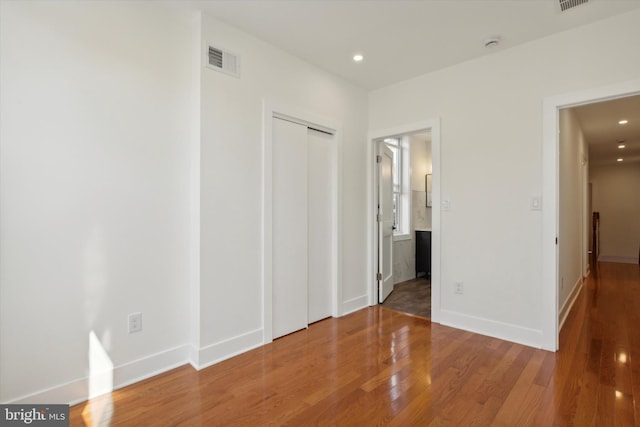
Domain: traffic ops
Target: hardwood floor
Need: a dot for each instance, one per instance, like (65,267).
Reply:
(380,367)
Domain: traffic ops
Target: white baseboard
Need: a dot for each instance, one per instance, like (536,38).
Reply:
(571,299)
(77,391)
(72,392)
(147,367)
(354,304)
(622,259)
(228,348)
(492,328)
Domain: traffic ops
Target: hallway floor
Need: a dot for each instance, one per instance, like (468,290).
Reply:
(597,369)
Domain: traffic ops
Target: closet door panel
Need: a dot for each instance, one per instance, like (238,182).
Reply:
(290,227)
(320,224)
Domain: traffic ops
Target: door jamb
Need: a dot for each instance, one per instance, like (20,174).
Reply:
(372,201)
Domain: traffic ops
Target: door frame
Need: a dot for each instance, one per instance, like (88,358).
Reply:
(298,115)
(550,191)
(372,201)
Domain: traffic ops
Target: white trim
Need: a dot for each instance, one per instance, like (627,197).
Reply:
(492,328)
(195,187)
(77,391)
(550,170)
(621,259)
(288,112)
(568,304)
(226,349)
(354,304)
(303,121)
(267,219)
(150,366)
(194,356)
(434,126)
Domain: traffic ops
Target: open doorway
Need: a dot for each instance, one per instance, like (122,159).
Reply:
(410,209)
(599,174)
(413,257)
(611,131)
(557,299)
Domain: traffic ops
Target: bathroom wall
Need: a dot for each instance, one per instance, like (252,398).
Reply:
(420,164)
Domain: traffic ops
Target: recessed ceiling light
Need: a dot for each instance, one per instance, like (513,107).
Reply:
(623,122)
(620,160)
(358,57)
(621,146)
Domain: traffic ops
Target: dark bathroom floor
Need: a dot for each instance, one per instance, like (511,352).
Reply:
(412,297)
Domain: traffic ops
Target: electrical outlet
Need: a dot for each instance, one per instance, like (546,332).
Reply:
(135,322)
(458,288)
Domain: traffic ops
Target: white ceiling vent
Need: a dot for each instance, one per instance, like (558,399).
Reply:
(568,4)
(222,60)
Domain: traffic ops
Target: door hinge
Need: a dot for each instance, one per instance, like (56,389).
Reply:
(556,240)
(378,217)
(378,159)
(379,276)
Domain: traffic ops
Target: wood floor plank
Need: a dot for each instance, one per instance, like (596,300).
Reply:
(524,397)
(378,367)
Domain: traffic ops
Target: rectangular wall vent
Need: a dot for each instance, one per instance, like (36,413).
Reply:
(224,61)
(568,4)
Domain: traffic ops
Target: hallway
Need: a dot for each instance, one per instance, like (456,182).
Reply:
(597,370)
(379,367)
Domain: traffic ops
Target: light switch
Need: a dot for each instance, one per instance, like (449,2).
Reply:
(536,203)
(446,205)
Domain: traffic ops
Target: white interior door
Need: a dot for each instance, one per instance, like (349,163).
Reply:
(385,223)
(320,224)
(290,226)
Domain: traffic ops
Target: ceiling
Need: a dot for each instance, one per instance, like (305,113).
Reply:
(599,124)
(400,39)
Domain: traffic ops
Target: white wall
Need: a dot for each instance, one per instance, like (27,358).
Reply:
(616,197)
(491,118)
(572,152)
(231,187)
(131,181)
(96,127)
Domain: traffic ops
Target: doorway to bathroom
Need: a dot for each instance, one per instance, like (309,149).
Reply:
(404,165)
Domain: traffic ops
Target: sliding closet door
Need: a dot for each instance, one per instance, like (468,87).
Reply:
(290,225)
(320,233)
